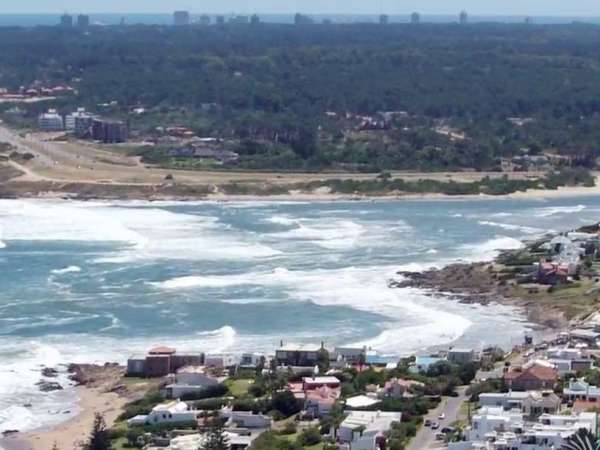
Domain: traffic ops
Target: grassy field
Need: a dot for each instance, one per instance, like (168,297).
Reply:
(238,388)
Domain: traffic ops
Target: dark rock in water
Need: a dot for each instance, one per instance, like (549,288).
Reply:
(49,386)
(27,405)
(49,372)
(9,432)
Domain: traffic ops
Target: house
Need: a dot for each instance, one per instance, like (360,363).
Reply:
(161,361)
(461,355)
(252,360)
(306,355)
(190,380)
(533,377)
(319,402)
(237,440)
(589,336)
(398,388)
(366,430)
(221,361)
(529,403)
(350,355)
(51,121)
(245,419)
(423,363)
(166,413)
(581,390)
(312,383)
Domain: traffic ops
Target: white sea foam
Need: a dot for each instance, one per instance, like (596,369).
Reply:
(509,226)
(552,211)
(488,250)
(146,233)
(70,269)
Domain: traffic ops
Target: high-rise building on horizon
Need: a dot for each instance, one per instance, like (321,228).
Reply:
(384,19)
(83,20)
(205,20)
(415,18)
(463,18)
(181,18)
(66,20)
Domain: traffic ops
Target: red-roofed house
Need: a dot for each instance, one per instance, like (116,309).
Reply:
(534,378)
(320,401)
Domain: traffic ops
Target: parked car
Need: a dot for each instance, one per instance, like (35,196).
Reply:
(448,430)
(435,425)
(427,422)
(442,416)
(440,437)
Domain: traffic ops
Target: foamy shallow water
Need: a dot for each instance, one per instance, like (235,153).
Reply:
(96,281)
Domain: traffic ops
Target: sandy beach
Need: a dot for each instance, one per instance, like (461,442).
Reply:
(71,434)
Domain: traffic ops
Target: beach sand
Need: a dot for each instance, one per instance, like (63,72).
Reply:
(71,434)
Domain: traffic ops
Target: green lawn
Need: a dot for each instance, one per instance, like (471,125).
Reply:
(120,444)
(238,388)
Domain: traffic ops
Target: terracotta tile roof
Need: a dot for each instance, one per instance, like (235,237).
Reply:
(536,371)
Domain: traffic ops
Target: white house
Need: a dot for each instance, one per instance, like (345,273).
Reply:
(365,430)
(581,390)
(245,419)
(530,403)
(221,361)
(493,419)
(237,441)
(166,413)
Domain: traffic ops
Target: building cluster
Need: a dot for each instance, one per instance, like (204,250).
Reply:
(544,399)
(497,428)
(241,428)
(545,402)
(34,93)
(84,125)
(67,20)
(561,259)
(184,18)
(190,374)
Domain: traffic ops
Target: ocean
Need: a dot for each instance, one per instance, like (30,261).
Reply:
(97,281)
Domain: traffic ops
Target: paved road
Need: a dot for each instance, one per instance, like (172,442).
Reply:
(450,406)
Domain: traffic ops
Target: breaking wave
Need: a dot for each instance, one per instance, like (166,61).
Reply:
(508,226)
(488,250)
(551,211)
(70,269)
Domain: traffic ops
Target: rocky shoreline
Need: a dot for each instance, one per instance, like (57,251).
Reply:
(480,283)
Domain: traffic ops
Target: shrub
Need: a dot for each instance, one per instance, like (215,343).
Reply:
(289,428)
(309,436)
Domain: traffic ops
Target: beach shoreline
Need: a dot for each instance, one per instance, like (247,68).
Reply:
(71,433)
(99,192)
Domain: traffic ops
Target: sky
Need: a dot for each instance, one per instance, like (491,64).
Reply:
(585,8)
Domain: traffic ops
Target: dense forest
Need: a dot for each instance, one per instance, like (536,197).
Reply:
(294,96)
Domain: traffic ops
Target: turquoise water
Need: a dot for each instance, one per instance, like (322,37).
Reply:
(91,282)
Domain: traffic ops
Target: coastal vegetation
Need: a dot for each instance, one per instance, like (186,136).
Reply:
(355,97)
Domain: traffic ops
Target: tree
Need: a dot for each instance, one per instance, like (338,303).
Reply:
(583,439)
(285,403)
(99,439)
(216,439)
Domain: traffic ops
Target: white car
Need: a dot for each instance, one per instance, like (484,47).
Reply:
(442,416)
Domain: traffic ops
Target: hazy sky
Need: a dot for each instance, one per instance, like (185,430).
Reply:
(483,7)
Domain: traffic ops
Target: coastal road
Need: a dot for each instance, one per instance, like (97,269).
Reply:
(450,407)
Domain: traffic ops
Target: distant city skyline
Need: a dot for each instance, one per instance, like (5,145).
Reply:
(583,8)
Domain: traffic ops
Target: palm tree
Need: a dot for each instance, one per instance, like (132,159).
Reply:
(583,439)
